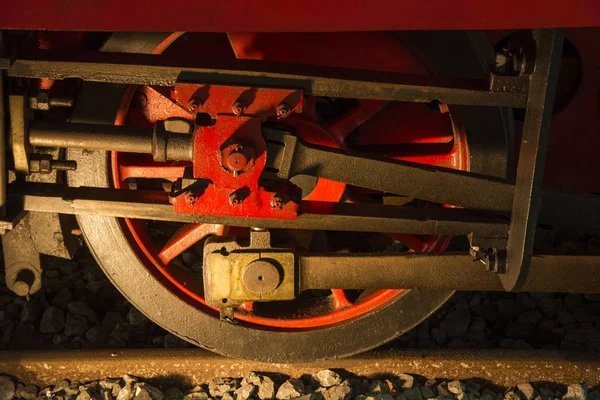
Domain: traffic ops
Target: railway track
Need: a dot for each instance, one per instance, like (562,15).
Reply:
(493,370)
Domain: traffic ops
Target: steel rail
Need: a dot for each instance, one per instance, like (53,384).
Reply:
(187,367)
(443,271)
(347,217)
(143,69)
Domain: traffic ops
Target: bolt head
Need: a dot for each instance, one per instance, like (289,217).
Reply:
(283,110)
(236,161)
(237,108)
(235,199)
(278,201)
(190,198)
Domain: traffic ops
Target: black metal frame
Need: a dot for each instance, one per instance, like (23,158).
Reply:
(288,156)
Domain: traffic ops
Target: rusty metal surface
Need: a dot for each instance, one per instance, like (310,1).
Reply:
(192,366)
(317,81)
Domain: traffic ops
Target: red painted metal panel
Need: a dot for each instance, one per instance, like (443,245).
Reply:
(308,15)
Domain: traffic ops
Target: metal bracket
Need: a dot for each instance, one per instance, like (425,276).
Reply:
(528,192)
(234,274)
(23,270)
(19,121)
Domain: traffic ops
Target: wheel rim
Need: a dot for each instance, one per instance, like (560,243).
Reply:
(451,154)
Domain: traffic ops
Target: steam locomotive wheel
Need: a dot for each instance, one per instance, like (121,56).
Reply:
(143,259)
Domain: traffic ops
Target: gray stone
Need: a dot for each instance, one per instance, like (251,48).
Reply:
(265,385)
(219,386)
(141,394)
(62,297)
(75,326)
(154,393)
(130,379)
(527,391)
(84,395)
(456,323)
(29,392)
(53,320)
(527,300)
(198,393)
(171,341)
(337,393)
(411,394)
(378,386)
(173,394)
(405,381)
(456,387)
(96,335)
(509,307)
(477,324)
(476,336)
(565,318)
(511,395)
(442,390)
(546,392)
(94,286)
(111,320)
(290,389)
(202,395)
(7,388)
(31,311)
(82,310)
(327,378)
(594,395)
(69,268)
(135,317)
(427,392)
(244,392)
(62,385)
(126,393)
(51,274)
(530,317)
(113,385)
(439,335)
(520,344)
(576,392)
(59,339)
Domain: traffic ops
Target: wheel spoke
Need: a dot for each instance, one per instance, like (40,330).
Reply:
(186,237)
(352,119)
(406,123)
(413,242)
(340,300)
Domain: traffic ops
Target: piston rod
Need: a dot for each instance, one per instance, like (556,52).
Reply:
(126,139)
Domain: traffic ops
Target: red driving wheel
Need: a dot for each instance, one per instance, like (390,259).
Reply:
(157,265)
(407,131)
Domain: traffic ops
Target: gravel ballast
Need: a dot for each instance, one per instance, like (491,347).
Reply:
(78,308)
(339,386)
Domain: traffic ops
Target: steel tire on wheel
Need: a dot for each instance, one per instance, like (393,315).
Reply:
(109,242)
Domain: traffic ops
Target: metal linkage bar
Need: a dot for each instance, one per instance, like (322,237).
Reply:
(157,70)
(338,216)
(527,198)
(443,271)
(289,156)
